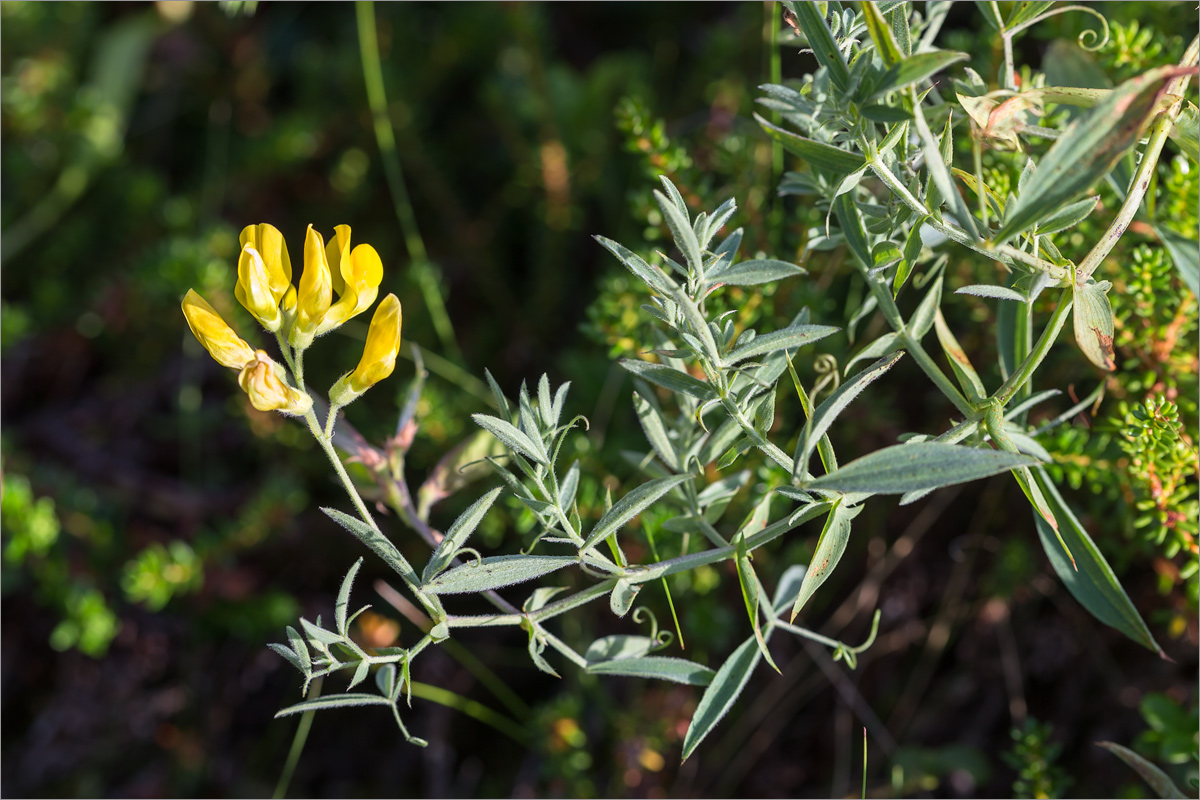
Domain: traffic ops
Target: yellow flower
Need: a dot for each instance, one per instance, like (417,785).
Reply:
(260,380)
(217,337)
(268,242)
(254,290)
(379,355)
(316,291)
(355,275)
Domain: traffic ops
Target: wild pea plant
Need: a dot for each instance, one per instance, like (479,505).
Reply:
(875,135)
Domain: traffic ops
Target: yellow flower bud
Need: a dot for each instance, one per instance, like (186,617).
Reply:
(253,289)
(217,337)
(316,291)
(268,241)
(361,272)
(383,344)
(268,392)
(334,249)
(379,355)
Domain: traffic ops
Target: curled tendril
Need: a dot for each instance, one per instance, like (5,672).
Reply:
(826,367)
(470,551)
(639,615)
(1085,39)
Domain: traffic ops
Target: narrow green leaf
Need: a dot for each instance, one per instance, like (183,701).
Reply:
(968,378)
(611,648)
(1159,781)
(496,572)
(650,275)
(754,272)
(511,437)
(994,292)
(1185,253)
(656,431)
(823,156)
(910,256)
(791,338)
(1025,11)
(812,21)
(1088,149)
(300,648)
(288,654)
(750,595)
(720,695)
(830,547)
(1068,216)
(334,701)
(666,668)
(938,160)
(991,13)
(670,378)
(898,15)
(917,68)
(850,221)
(1093,584)
(458,534)
(1093,318)
(360,674)
(343,598)
(835,404)
(921,465)
(922,319)
(881,34)
(681,230)
(630,506)
(377,542)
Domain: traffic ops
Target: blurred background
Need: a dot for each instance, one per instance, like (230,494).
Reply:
(158,531)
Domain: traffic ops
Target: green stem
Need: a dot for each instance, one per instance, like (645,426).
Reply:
(293,757)
(423,269)
(1025,369)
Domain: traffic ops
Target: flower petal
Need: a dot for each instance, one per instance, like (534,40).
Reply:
(211,331)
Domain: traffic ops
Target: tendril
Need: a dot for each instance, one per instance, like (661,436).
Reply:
(639,615)
(827,368)
(470,551)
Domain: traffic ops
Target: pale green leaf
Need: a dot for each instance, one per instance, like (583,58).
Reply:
(721,693)
(810,18)
(1092,582)
(787,339)
(512,437)
(1159,781)
(343,598)
(334,701)
(669,378)
(610,648)
(630,506)
(650,275)
(921,465)
(754,272)
(496,572)
(1093,318)
(917,68)
(377,542)
(666,668)
(830,547)
(823,156)
(457,536)
(835,404)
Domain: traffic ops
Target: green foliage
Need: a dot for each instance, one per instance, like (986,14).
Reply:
(1034,757)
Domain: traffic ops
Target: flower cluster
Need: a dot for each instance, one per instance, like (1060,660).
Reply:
(297,315)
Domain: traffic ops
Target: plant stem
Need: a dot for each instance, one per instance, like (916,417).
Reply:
(423,269)
(1026,368)
(293,757)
